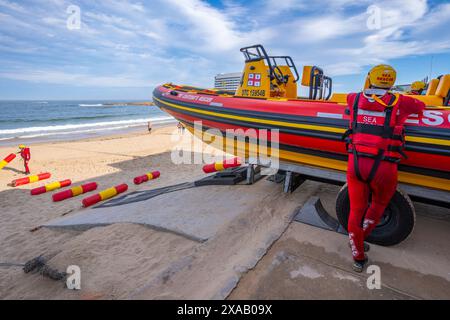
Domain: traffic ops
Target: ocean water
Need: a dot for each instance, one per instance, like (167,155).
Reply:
(22,121)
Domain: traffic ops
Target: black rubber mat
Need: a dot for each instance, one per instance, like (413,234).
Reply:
(139,196)
(314,214)
(227,177)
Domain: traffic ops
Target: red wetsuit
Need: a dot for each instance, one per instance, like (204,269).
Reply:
(363,219)
(26,156)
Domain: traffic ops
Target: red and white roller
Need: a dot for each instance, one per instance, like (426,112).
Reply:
(74,192)
(31,179)
(7,160)
(51,187)
(222,165)
(147,177)
(104,195)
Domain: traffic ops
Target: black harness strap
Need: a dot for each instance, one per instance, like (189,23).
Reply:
(375,166)
(369,129)
(356,164)
(355,112)
(353,129)
(386,133)
(398,149)
(398,137)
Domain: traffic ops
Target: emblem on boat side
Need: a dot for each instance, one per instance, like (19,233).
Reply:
(254,80)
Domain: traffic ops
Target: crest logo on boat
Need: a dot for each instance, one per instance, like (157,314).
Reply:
(254,80)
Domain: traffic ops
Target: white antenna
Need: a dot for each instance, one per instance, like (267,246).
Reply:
(431,66)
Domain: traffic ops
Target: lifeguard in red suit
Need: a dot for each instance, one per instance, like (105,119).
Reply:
(375,143)
(26,156)
(417,88)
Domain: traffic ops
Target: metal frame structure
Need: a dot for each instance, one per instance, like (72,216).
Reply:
(260,53)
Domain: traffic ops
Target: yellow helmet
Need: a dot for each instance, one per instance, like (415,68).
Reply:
(382,76)
(418,85)
(22,146)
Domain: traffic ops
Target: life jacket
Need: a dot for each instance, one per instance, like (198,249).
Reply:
(375,134)
(26,154)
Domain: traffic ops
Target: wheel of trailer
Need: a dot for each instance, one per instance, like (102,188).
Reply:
(396,224)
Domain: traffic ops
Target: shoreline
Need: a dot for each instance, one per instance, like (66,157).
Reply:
(85,136)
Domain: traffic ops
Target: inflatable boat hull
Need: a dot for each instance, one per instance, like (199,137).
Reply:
(310,131)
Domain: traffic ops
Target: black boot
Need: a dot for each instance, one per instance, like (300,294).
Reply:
(358,265)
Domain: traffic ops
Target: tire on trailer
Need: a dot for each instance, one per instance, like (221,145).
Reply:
(395,226)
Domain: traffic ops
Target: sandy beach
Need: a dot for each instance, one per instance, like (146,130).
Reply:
(124,260)
(108,161)
(253,251)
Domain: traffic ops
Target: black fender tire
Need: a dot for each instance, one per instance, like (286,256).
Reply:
(395,226)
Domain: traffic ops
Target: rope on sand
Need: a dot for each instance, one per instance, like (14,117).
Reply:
(37,265)
(11,264)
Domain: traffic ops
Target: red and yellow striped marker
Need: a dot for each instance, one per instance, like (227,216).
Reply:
(7,160)
(147,177)
(74,192)
(105,195)
(222,165)
(31,179)
(51,187)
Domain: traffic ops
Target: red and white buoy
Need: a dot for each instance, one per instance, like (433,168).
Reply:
(74,192)
(104,195)
(51,187)
(222,165)
(31,179)
(147,177)
(7,160)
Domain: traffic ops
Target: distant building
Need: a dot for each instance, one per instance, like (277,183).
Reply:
(228,81)
(401,88)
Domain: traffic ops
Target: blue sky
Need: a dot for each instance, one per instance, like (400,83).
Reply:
(126,47)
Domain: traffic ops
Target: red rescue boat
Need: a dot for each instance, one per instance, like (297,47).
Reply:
(310,129)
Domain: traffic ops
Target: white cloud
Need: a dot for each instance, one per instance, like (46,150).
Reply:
(12,6)
(76,79)
(215,30)
(344,45)
(133,43)
(328,27)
